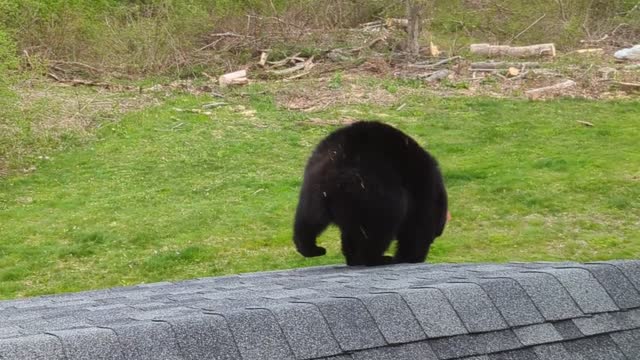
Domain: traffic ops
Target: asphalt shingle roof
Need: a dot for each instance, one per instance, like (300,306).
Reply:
(445,311)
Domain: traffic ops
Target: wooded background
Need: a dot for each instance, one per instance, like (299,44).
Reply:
(141,37)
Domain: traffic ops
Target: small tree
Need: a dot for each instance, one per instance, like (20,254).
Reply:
(415,13)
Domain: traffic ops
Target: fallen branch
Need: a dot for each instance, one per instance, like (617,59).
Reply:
(589,51)
(585,123)
(220,37)
(538,50)
(437,76)
(78,82)
(284,61)
(78,64)
(627,87)
(534,94)
(527,28)
(434,65)
(370,45)
(307,65)
(297,76)
(603,38)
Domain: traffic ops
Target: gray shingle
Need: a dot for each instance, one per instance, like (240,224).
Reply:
(204,337)
(617,285)
(628,342)
(35,347)
(258,335)
(54,323)
(595,348)
(351,323)
(164,313)
(584,289)
(306,330)
(473,306)
(548,295)
(553,352)
(90,343)
(147,340)
(413,351)
(110,316)
(537,334)
(426,309)
(631,269)
(607,322)
(475,344)
(512,301)
(10,331)
(394,318)
(292,293)
(568,330)
(434,313)
(522,354)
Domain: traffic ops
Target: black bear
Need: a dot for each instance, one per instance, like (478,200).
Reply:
(376,184)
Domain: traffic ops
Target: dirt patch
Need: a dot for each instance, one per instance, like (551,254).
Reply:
(56,109)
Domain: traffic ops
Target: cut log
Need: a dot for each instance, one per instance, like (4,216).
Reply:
(235,78)
(263,59)
(511,72)
(627,87)
(503,65)
(539,50)
(555,89)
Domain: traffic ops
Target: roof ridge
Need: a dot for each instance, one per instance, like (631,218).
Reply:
(438,311)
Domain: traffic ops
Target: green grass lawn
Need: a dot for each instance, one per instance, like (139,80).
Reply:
(166,195)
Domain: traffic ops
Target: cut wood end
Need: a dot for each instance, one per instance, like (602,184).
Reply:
(263,59)
(234,78)
(433,50)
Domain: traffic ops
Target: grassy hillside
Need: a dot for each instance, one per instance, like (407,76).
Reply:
(166,195)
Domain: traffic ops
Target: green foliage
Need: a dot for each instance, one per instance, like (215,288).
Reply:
(336,80)
(8,57)
(163,36)
(166,195)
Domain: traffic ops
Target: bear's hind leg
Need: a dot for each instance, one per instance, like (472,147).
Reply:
(414,241)
(362,246)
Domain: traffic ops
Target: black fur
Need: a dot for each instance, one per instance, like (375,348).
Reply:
(376,184)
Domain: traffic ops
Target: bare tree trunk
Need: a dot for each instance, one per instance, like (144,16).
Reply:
(415,14)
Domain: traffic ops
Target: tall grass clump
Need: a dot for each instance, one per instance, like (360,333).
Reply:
(8,111)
